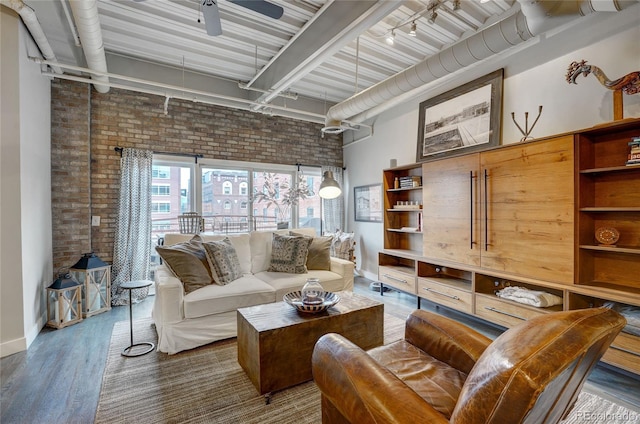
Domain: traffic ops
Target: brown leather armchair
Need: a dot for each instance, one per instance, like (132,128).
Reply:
(445,372)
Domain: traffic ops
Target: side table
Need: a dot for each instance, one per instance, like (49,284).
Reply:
(131,285)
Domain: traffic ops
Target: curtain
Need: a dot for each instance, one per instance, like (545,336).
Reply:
(132,245)
(333,209)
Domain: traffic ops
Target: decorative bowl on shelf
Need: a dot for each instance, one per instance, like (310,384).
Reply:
(607,236)
(326,300)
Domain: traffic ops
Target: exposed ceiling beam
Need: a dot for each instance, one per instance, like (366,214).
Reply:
(336,25)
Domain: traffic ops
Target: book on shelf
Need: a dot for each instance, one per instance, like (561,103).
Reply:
(410,181)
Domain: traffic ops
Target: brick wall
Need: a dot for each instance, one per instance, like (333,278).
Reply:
(81,188)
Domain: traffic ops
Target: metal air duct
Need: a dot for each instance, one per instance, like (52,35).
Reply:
(533,18)
(85,14)
(31,22)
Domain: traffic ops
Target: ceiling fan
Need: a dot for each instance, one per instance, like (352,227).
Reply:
(212,15)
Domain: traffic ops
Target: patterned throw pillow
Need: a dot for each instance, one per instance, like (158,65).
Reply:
(289,254)
(223,261)
(188,262)
(342,245)
(319,256)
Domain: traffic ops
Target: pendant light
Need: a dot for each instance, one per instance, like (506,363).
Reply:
(329,188)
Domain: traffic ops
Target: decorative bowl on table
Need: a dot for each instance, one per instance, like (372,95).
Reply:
(325,301)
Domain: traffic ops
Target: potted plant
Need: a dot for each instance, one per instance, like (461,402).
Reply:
(277,191)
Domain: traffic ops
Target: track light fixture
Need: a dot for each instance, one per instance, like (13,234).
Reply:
(391,38)
(432,18)
(456,4)
(412,33)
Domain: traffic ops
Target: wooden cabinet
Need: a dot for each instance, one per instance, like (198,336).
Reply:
(402,192)
(510,209)
(526,215)
(451,194)
(609,197)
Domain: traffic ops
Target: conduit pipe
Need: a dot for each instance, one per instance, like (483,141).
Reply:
(533,19)
(85,13)
(30,20)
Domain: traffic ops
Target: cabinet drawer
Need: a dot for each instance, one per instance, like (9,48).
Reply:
(624,353)
(503,313)
(445,295)
(400,280)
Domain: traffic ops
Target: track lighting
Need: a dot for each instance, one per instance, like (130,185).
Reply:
(456,4)
(412,33)
(391,38)
(432,18)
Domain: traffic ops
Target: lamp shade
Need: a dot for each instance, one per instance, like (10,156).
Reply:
(64,281)
(89,261)
(329,188)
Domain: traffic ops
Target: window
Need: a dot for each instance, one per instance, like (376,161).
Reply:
(163,172)
(160,190)
(243,205)
(244,188)
(310,212)
(227,204)
(160,207)
(227,187)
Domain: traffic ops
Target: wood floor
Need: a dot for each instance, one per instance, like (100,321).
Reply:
(57,380)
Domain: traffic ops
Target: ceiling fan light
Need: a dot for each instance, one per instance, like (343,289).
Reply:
(329,188)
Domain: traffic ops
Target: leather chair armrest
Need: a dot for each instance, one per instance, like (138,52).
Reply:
(362,390)
(445,339)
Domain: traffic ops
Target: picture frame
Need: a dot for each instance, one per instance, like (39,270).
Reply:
(465,119)
(368,203)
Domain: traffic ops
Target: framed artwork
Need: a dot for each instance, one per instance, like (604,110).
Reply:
(465,119)
(368,203)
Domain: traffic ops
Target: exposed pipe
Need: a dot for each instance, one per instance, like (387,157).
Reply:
(85,13)
(534,18)
(180,91)
(72,26)
(30,20)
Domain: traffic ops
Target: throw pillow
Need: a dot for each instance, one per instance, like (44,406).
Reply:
(342,244)
(223,261)
(289,254)
(188,262)
(319,252)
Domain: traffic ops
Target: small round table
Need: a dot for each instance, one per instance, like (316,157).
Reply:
(131,285)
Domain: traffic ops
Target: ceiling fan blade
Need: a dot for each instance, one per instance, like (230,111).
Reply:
(261,6)
(211,17)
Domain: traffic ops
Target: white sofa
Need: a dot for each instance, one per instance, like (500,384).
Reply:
(185,321)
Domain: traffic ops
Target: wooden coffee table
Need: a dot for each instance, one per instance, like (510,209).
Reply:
(275,341)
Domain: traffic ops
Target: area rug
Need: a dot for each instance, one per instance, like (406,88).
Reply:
(206,385)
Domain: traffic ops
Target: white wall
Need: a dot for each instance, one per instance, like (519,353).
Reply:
(565,108)
(35,188)
(25,176)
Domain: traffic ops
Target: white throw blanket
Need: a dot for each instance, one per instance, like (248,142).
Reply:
(539,299)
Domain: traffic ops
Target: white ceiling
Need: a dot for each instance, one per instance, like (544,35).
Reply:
(323,52)
(168,32)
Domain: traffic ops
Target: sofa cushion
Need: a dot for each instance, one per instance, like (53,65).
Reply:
(240,241)
(188,262)
(284,283)
(319,252)
(289,254)
(223,261)
(214,299)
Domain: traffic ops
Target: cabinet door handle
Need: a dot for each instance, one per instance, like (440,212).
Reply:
(391,277)
(441,293)
(471,242)
(621,349)
(498,311)
(486,211)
